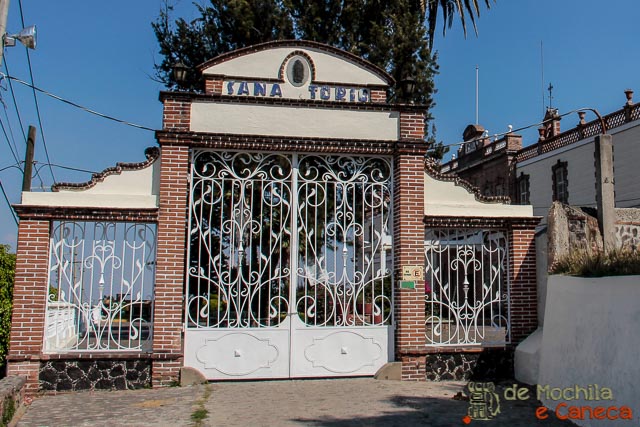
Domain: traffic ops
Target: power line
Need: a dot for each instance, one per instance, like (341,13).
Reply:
(67,167)
(8,203)
(66,101)
(13,138)
(15,104)
(15,155)
(544,122)
(13,97)
(11,166)
(35,98)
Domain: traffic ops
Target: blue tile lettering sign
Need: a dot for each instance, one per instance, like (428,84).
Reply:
(315,92)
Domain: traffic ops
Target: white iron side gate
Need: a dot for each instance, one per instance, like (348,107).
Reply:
(467,287)
(289,269)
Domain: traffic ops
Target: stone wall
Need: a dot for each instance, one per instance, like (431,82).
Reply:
(12,393)
(571,227)
(487,365)
(91,374)
(628,228)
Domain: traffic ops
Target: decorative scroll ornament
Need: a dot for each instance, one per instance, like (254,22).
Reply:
(101,286)
(467,299)
(262,223)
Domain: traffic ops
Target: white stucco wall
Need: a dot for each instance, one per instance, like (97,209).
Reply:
(246,119)
(581,178)
(445,198)
(129,189)
(591,337)
(266,64)
(626,159)
(581,168)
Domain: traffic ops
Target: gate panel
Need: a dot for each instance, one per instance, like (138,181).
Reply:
(239,256)
(467,287)
(343,295)
(263,302)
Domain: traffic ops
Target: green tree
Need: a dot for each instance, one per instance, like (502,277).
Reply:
(437,149)
(7,272)
(222,26)
(390,34)
(448,9)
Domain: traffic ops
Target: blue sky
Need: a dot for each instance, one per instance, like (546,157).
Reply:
(101,55)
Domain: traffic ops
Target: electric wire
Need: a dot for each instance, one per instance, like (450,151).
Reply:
(66,167)
(10,166)
(544,122)
(4,193)
(66,101)
(17,110)
(35,99)
(13,138)
(15,155)
(13,97)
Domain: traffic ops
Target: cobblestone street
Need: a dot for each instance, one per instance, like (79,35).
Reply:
(328,403)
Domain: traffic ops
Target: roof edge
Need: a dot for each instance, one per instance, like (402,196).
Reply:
(298,43)
(151,153)
(430,167)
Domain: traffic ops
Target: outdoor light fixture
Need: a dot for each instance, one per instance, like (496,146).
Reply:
(27,37)
(408,86)
(180,72)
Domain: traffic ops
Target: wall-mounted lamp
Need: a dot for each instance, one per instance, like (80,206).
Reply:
(408,87)
(27,37)
(180,72)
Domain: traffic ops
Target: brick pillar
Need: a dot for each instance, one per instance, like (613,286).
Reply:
(524,300)
(213,86)
(29,300)
(408,231)
(170,265)
(176,112)
(378,96)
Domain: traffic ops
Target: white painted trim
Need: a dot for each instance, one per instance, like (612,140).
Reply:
(270,120)
(80,200)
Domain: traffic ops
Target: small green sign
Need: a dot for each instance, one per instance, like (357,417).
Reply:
(408,285)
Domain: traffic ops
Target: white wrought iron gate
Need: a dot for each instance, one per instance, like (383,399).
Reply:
(289,269)
(467,287)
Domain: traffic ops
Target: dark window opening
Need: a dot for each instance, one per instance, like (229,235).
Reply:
(560,177)
(298,72)
(523,189)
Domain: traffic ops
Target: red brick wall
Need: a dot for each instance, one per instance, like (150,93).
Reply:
(170,263)
(176,114)
(378,96)
(29,300)
(524,300)
(408,232)
(213,86)
(412,125)
(413,368)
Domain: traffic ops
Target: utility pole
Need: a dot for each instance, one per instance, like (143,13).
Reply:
(4,12)
(28,159)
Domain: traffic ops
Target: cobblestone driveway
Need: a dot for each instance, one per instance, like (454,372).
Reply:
(327,403)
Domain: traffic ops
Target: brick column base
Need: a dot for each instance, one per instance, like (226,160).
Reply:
(28,369)
(413,368)
(165,373)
